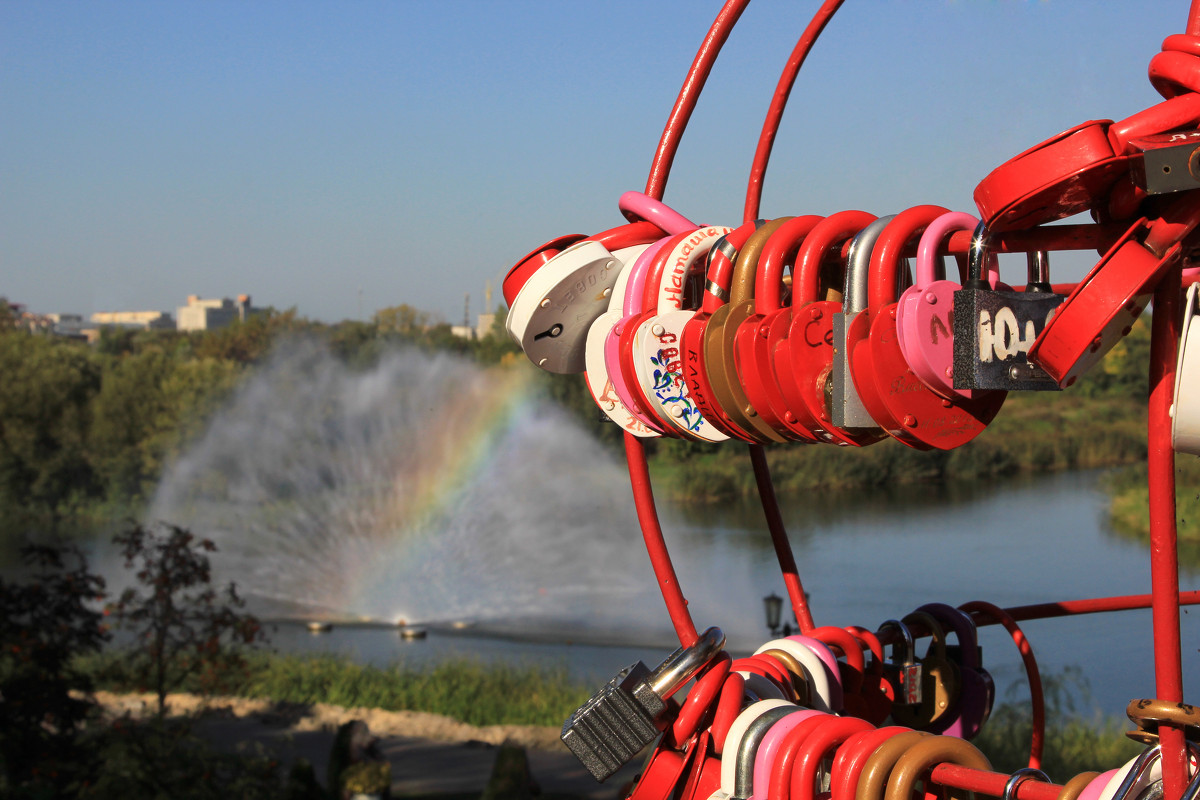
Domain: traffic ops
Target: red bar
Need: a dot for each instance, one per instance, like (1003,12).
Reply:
(779,538)
(1164,556)
(1046,237)
(991,783)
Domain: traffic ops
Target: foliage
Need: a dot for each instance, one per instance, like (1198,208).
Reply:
(1129,505)
(45,623)
(184,626)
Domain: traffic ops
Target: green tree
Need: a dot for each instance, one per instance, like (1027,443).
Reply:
(45,398)
(186,628)
(402,321)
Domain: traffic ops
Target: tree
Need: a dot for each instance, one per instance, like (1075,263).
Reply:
(45,622)
(188,630)
(402,320)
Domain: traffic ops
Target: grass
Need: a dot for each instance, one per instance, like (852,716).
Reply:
(1129,509)
(497,694)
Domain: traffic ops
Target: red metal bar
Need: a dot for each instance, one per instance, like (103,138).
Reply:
(1164,555)
(991,783)
(1193,23)
(1045,237)
(656,545)
(783,548)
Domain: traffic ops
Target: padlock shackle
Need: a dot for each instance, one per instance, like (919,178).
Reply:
(531,262)
(910,643)
(779,252)
(644,207)
(683,259)
(924,755)
(745,269)
(963,626)
(631,234)
(720,265)
(636,288)
(656,271)
(1039,272)
(683,664)
(831,233)
(930,266)
(858,265)
(883,284)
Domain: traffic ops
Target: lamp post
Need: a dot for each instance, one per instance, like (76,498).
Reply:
(773,604)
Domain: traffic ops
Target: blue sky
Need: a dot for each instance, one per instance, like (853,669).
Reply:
(343,157)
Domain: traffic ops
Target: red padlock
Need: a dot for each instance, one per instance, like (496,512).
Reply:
(755,340)
(804,359)
(716,293)
(719,359)
(897,399)
(1106,303)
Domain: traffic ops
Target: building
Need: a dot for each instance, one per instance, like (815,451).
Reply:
(142,320)
(204,315)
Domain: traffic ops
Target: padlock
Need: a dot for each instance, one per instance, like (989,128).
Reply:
(872,782)
(878,691)
(769,750)
(806,779)
(1105,304)
(599,384)
(1135,777)
(1185,410)
(790,747)
(663,774)
(969,714)
(905,675)
(1020,776)
(750,745)
(848,412)
(719,357)
(925,314)
(716,294)
(820,669)
(737,733)
(915,764)
(903,406)
(656,354)
(852,757)
(804,360)
(631,308)
(940,681)
(994,326)
(629,712)
(756,338)
(799,679)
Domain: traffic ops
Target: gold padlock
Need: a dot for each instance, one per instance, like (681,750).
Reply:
(940,681)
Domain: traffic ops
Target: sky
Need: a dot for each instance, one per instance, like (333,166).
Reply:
(342,157)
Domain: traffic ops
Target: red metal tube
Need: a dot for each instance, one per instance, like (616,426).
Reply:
(991,783)
(656,545)
(779,538)
(1164,556)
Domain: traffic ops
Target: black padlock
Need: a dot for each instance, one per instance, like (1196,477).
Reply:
(616,723)
(994,328)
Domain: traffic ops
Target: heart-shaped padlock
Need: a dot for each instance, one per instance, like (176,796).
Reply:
(940,682)
(716,294)
(804,362)
(978,691)
(925,312)
(756,338)
(657,357)
(719,356)
(894,396)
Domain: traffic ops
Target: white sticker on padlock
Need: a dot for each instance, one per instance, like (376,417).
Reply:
(551,315)
(657,354)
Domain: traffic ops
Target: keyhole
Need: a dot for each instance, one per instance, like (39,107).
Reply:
(1166,169)
(552,333)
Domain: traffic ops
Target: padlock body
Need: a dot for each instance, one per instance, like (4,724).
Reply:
(993,331)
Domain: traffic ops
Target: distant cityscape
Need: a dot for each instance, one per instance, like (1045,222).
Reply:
(199,314)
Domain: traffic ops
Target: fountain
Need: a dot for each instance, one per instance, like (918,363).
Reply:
(424,488)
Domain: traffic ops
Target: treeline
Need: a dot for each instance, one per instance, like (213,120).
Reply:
(87,429)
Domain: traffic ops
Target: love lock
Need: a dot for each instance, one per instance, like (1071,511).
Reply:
(716,294)
(719,357)
(978,691)
(903,671)
(994,327)
(596,375)
(848,414)
(629,712)
(757,338)
(897,399)
(926,316)
(1105,304)
(656,354)
(1185,411)
(804,362)
(940,681)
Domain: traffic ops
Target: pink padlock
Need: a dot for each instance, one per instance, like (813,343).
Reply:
(925,312)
